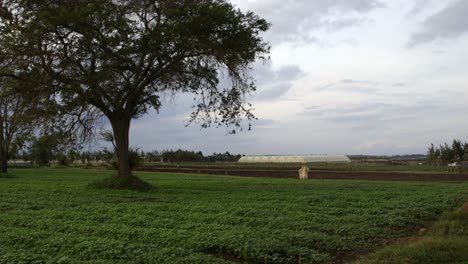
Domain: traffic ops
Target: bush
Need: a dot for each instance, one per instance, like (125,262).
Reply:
(135,160)
(62,160)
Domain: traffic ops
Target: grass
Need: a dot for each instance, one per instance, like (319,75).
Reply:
(118,183)
(6,175)
(53,216)
(445,242)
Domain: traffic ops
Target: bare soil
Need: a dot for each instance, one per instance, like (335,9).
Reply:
(321,174)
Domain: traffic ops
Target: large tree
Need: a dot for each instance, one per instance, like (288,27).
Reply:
(121,56)
(26,102)
(16,123)
(18,112)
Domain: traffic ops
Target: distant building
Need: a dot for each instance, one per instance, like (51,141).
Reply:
(295,159)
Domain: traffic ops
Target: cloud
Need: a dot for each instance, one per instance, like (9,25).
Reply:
(450,22)
(352,86)
(420,6)
(366,96)
(167,130)
(350,81)
(362,111)
(385,114)
(294,20)
(272,84)
(399,84)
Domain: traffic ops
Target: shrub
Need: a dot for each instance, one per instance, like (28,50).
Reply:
(135,160)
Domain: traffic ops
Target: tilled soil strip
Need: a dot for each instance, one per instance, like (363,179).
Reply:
(338,175)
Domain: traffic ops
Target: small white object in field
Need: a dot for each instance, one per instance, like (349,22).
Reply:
(304,172)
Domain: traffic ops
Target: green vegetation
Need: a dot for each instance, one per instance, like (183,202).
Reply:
(6,175)
(445,154)
(53,216)
(446,242)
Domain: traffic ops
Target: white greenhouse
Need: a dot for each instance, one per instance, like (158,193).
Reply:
(295,159)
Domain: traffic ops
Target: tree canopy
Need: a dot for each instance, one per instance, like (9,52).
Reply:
(120,57)
(20,112)
(446,154)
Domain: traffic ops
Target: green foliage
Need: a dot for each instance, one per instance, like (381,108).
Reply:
(108,136)
(62,159)
(181,156)
(52,216)
(17,119)
(223,157)
(52,146)
(169,156)
(465,154)
(445,242)
(134,158)
(44,148)
(192,156)
(446,154)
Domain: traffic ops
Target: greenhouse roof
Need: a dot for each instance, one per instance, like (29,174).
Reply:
(294,159)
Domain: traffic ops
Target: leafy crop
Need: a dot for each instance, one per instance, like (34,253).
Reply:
(445,242)
(53,216)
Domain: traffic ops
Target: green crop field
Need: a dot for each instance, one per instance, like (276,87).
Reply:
(53,216)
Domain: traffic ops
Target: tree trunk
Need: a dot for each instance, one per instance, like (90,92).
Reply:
(3,164)
(3,153)
(121,127)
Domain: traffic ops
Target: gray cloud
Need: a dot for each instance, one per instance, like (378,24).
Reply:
(264,122)
(294,20)
(380,115)
(167,130)
(399,84)
(359,82)
(420,6)
(350,85)
(450,22)
(341,113)
(265,73)
(377,127)
(273,92)
(387,101)
(338,24)
(272,84)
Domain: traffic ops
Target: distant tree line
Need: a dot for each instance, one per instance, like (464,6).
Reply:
(44,149)
(446,154)
(187,156)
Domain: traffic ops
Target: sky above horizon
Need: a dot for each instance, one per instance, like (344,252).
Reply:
(345,77)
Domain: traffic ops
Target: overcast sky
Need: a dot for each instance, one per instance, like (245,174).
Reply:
(345,77)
